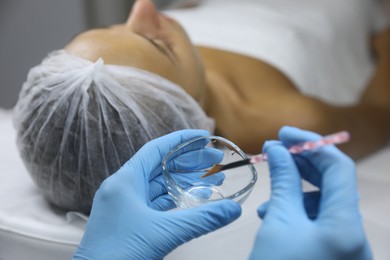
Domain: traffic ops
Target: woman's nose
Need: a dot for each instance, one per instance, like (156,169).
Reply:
(143,18)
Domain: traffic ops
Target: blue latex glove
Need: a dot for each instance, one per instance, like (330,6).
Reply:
(124,222)
(321,225)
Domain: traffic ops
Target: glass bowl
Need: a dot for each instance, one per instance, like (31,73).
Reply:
(184,167)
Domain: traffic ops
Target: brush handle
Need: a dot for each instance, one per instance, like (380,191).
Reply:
(336,138)
(236,164)
(258,158)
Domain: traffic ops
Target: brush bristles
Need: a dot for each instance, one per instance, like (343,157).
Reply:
(213,170)
(220,167)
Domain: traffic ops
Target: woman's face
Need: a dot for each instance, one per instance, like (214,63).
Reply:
(150,41)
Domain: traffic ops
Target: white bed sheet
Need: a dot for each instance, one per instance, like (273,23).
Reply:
(31,229)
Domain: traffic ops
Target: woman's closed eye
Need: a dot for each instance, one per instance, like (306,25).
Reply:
(163,48)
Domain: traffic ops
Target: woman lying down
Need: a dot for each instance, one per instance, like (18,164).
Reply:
(256,66)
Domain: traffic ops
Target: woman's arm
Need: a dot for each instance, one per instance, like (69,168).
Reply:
(250,101)
(372,115)
(378,91)
(368,124)
(369,121)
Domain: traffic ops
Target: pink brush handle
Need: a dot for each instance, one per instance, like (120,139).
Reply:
(337,138)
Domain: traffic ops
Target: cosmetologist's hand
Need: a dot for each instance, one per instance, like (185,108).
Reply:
(316,225)
(125,222)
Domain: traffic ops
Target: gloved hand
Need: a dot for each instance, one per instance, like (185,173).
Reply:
(321,225)
(124,222)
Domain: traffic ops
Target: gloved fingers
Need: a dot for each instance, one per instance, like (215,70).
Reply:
(157,185)
(192,144)
(196,160)
(312,201)
(290,136)
(191,156)
(157,188)
(262,209)
(200,188)
(148,158)
(216,179)
(191,178)
(337,170)
(286,190)
(307,170)
(203,219)
(161,146)
(113,194)
(339,189)
(163,203)
(166,143)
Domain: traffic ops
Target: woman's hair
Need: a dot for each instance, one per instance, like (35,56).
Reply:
(78,122)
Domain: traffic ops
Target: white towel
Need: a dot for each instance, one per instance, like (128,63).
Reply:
(321,45)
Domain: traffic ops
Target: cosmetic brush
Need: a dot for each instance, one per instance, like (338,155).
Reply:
(336,138)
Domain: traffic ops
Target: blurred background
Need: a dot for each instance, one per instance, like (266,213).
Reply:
(29,29)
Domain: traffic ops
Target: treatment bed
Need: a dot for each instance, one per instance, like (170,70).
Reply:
(32,229)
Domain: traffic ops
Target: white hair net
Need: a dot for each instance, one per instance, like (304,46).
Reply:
(77,122)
